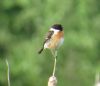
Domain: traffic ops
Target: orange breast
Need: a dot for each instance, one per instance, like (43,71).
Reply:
(55,40)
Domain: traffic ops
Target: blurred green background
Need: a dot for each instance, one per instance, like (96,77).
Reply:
(23,24)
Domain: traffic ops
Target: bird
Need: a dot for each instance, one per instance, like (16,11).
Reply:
(54,38)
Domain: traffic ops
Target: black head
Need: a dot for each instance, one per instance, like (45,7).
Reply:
(57,27)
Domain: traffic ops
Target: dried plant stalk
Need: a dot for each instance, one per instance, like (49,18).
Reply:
(52,81)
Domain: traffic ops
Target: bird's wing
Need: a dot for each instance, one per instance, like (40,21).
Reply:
(48,36)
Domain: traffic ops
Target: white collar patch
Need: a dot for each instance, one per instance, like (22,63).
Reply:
(55,31)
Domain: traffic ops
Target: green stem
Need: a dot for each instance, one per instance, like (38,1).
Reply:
(8,72)
(54,53)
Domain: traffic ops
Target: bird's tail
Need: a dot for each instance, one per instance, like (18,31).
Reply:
(40,51)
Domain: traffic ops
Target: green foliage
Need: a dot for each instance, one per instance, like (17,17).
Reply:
(23,24)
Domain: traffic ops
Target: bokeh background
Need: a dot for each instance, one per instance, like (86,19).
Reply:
(23,24)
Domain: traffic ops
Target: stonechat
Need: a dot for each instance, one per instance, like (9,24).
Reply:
(54,38)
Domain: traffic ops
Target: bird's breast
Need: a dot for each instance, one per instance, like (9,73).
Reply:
(55,41)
